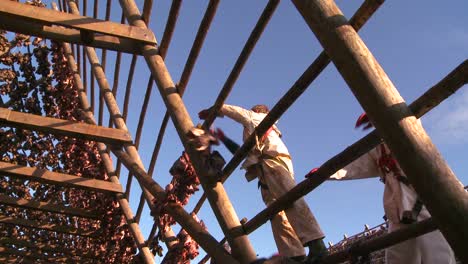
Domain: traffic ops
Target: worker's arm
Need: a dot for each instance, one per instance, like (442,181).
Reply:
(364,167)
(237,113)
(230,144)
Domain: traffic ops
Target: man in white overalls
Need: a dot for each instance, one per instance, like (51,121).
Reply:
(269,160)
(401,205)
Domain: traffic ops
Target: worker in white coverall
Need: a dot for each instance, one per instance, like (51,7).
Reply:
(401,205)
(269,160)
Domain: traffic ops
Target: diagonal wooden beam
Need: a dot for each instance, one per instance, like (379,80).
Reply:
(60,179)
(87,25)
(64,127)
(47,207)
(46,226)
(70,35)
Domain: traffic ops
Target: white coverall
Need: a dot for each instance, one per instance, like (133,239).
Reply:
(296,225)
(431,248)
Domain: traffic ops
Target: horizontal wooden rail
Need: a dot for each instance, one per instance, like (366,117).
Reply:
(47,207)
(60,179)
(63,127)
(87,25)
(70,35)
(46,226)
(40,246)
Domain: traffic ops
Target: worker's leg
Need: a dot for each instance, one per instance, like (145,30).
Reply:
(279,180)
(435,249)
(404,252)
(287,242)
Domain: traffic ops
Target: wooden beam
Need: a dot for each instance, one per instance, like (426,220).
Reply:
(46,226)
(31,257)
(435,183)
(39,246)
(88,26)
(63,127)
(47,207)
(148,257)
(60,179)
(74,36)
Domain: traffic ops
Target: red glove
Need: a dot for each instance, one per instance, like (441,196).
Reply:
(363,120)
(203,114)
(219,134)
(311,173)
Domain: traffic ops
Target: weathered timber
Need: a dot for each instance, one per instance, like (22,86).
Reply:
(86,25)
(196,231)
(32,257)
(47,207)
(41,247)
(134,228)
(70,35)
(241,60)
(63,127)
(362,15)
(60,179)
(406,138)
(182,84)
(147,11)
(222,207)
(170,26)
(186,73)
(46,226)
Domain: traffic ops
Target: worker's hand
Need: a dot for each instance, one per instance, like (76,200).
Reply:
(311,173)
(203,114)
(364,122)
(219,134)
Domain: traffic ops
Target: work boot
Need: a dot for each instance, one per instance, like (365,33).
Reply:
(317,250)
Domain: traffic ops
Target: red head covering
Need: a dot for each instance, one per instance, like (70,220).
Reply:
(363,120)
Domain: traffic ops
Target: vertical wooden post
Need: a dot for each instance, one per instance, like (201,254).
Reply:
(432,178)
(220,203)
(206,241)
(134,228)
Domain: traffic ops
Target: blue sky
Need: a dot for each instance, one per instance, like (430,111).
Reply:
(416,42)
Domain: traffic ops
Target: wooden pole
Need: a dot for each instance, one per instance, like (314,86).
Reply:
(434,181)
(133,159)
(241,60)
(220,203)
(134,228)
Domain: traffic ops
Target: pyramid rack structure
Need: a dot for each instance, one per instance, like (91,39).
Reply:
(395,121)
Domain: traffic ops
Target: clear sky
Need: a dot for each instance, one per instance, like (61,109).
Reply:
(416,42)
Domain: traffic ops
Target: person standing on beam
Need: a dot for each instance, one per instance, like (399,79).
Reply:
(269,161)
(401,205)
